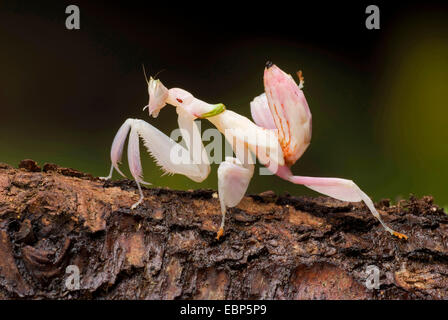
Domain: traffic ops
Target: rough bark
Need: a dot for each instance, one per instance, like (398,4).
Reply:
(274,247)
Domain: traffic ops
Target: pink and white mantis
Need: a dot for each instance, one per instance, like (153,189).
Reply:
(278,138)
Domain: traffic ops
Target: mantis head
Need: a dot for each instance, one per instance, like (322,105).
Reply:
(158,94)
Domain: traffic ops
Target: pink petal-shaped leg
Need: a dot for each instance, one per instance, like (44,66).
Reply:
(341,189)
(259,108)
(233,180)
(135,165)
(117,148)
(160,146)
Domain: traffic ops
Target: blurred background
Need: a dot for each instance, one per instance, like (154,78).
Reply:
(379,98)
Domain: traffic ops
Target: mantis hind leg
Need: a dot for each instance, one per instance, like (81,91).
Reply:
(341,189)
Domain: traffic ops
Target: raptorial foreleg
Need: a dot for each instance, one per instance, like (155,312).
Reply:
(160,147)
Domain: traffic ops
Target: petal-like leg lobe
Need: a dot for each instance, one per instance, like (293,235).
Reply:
(259,108)
(135,165)
(160,146)
(118,144)
(233,180)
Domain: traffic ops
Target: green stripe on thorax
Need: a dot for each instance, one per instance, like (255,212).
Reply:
(218,108)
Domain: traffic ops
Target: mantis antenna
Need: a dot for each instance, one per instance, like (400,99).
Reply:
(144,73)
(155,76)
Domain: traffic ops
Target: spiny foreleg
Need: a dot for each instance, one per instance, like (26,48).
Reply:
(161,148)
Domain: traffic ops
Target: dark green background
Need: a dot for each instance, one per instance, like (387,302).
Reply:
(379,98)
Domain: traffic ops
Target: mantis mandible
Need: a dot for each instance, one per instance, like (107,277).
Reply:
(279,135)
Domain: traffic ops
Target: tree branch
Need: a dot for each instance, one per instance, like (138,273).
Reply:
(274,247)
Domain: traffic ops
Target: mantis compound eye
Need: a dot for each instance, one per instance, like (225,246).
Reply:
(158,95)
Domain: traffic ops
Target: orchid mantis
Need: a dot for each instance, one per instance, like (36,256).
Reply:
(278,137)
